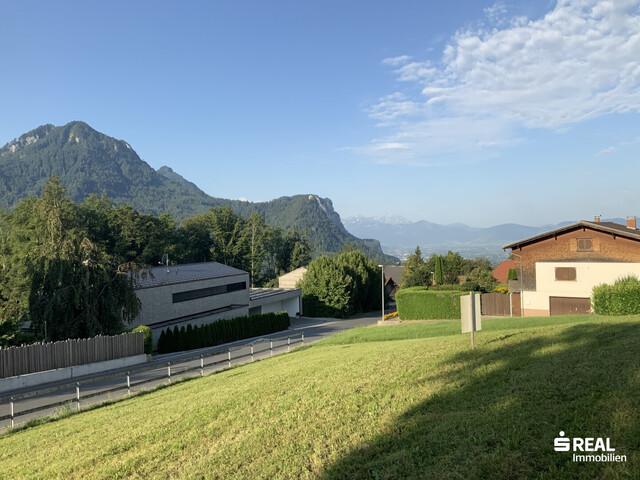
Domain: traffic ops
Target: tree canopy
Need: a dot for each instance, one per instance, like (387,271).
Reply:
(63,265)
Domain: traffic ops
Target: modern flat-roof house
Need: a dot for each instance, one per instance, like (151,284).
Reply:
(201,293)
(195,294)
(561,267)
(266,300)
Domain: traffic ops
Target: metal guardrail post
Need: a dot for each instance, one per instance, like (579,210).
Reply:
(169,371)
(12,416)
(78,397)
(128,385)
(229,358)
(202,365)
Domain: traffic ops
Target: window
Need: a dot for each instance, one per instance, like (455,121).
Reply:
(585,245)
(565,274)
(208,292)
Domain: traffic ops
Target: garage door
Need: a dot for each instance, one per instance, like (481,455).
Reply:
(569,305)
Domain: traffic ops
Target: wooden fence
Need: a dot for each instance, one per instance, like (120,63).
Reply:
(40,357)
(495,304)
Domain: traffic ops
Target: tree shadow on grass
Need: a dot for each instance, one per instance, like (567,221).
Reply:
(505,403)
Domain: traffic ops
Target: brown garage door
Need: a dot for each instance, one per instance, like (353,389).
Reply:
(569,305)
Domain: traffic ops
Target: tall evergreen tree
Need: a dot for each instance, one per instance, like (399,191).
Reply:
(439,271)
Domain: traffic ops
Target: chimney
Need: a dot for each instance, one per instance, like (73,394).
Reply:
(631,223)
(596,219)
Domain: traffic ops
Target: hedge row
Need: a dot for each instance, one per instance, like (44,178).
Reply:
(418,303)
(221,331)
(621,298)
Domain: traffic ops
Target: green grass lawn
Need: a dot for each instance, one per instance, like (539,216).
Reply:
(409,401)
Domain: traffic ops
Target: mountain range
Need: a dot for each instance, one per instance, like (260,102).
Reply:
(400,237)
(89,162)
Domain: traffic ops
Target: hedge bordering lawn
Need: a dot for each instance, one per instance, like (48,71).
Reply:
(221,331)
(418,303)
(621,298)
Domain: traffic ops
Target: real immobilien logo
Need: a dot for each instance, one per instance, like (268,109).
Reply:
(588,445)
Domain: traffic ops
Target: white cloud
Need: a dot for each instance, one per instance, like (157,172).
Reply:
(395,61)
(580,61)
(607,150)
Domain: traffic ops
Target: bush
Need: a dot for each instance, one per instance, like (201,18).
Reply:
(470,286)
(445,288)
(621,298)
(148,337)
(504,289)
(221,331)
(418,303)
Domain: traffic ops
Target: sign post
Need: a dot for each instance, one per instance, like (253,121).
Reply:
(471,315)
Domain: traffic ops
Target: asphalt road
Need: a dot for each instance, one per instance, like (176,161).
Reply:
(104,386)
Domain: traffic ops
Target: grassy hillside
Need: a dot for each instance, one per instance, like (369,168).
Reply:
(395,402)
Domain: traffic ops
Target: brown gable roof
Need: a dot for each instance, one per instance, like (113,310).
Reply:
(607,227)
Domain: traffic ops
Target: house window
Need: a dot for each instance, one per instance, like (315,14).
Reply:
(208,292)
(565,274)
(585,245)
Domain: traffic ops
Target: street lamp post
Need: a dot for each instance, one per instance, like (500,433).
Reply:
(382,314)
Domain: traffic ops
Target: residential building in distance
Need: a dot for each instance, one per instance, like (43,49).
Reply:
(560,267)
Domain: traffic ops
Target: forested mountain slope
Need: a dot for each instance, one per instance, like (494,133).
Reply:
(89,162)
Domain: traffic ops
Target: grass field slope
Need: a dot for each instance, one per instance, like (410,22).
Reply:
(409,401)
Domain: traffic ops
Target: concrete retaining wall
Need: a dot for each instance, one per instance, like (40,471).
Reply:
(34,379)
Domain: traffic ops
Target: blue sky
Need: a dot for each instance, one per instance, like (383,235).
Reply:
(460,111)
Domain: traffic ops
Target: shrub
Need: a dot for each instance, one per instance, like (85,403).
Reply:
(418,303)
(148,337)
(445,288)
(621,298)
(222,331)
(504,289)
(470,286)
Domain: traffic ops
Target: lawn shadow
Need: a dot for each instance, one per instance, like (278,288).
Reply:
(504,404)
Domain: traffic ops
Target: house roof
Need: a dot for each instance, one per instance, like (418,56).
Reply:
(191,272)
(606,227)
(501,272)
(395,272)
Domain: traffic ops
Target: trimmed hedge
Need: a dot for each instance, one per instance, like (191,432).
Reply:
(148,337)
(418,303)
(221,331)
(621,298)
